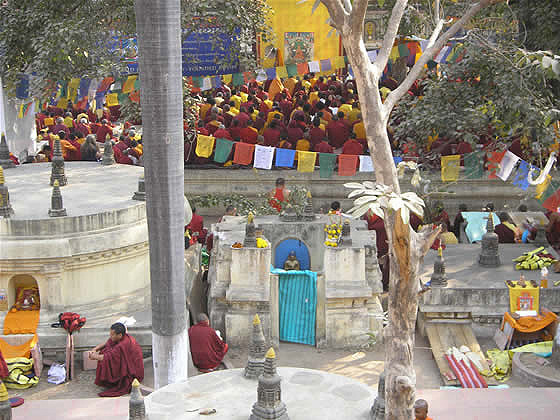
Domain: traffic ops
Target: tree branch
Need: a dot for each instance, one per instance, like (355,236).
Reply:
(396,94)
(427,237)
(357,17)
(336,12)
(389,38)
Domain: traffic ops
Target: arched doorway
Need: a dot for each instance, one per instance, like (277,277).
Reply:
(284,248)
(20,282)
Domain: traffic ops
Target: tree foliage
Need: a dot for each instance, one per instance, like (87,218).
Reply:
(538,24)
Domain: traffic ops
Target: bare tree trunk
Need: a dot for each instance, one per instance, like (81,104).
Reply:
(158,24)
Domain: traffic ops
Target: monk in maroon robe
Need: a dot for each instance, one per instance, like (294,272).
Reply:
(119,362)
(207,349)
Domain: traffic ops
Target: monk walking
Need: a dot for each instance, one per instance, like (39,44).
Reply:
(207,348)
(119,362)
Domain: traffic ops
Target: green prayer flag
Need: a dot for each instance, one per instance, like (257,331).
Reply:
(63,89)
(292,70)
(474,166)
(122,97)
(137,84)
(197,81)
(550,190)
(238,79)
(403,50)
(223,150)
(327,162)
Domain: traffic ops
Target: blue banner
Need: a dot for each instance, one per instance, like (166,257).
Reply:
(208,52)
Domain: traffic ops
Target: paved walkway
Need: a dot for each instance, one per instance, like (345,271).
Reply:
(494,404)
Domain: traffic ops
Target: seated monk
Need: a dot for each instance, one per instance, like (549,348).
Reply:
(207,348)
(292,262)
(119,362)
(279,195)
(507,232)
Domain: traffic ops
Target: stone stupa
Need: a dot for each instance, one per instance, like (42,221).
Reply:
(439,279)
(5,161)
(57,171)
(57,208)
(489,256)
(257,348)
(5,205)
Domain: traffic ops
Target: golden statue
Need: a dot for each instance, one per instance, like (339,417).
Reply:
(292,263)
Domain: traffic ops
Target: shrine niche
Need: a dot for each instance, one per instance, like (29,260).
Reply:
(374,26)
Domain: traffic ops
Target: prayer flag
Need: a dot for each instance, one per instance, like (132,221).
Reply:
(314,67)
(117,86)
(292,70)
(450,166)
(394,54)
(550,189)
(507,164)
(62,91)
(285,158)
(204,146)
(397,160)
(206,84)
(552,203)
(541,188)
(303,68)
(347,165)
(122,97)
(261,75)
(83,89)
(306,161)
(474,165)
(92,89)
(135,96)
(216,82)
(326,65)
(22,86)
(520,178)
(447,53)
(413,48)
(270,73)
(129,84)
(137,84)
(99,99)
(327,162)
(105,84)
(403,50)
(227,78)
(73,89)
(494,159)
(197,82)
(442,53)
(424,45)
(248,76)
(223,150)
(338,62)
(263,157)
(243,153)
(281,72)
(238,79)
(366,164)
(112,99)
(372,55)
(62,103)
(20,112)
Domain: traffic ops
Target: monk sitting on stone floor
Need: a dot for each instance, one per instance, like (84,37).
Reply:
(119,362)
(207,348)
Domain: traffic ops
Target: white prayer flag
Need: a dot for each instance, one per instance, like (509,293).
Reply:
(372,55)
(441,54)
(261,75)
(314,67)
(366,164)
(206,84)
(507,164)
(424,45)
(94,84)
(263,157)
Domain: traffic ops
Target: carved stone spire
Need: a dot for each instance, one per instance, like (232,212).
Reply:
(57,208)
(5,161)
(5,406)
(439,279)
(346,238)
(136,407)
(378,409)
(489,256)
(255,362)
(57,172)
(269,405)
(140,195)
(250,233)
(308,213)
(5,206)
(108,156)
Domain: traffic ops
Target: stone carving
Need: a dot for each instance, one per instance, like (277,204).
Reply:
(489,256)
(378,409)
(346,238)
(439,279)
(250,233)
(255,362)
(136,407)
(291,263)
(5,206)
(57,208)
(140,195)
(308,213)
(269,405)
(108,156)
(57,173)
(5,161)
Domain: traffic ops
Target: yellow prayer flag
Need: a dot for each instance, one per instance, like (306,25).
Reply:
(20,112)
(281,72)
(112,99)
(541,188)
(62,103)
(129,84)
(523,298)
(394,54)
(306,161)
(338,62)
(450,166)
(227,78)
(204,146)
(73,89)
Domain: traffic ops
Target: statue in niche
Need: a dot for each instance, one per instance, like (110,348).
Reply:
(292,263)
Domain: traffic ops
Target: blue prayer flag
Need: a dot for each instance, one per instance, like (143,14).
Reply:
(22,86)
(285,157)
(84,87)
(520,178)
(270,73)
(397,160)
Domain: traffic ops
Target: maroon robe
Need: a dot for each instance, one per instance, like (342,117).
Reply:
(505,234)
(207,349)
(122,363)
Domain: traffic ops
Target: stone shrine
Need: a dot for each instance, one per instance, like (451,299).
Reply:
(489,255)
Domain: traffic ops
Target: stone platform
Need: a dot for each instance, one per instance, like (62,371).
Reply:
(478,294)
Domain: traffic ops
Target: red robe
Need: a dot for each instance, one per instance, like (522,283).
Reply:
(122,363)
(207,349)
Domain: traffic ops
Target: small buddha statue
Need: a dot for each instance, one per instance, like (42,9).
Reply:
(292,263)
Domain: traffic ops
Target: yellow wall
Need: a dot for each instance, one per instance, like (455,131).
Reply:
(292,17)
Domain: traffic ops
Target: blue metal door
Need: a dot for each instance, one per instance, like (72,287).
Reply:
(297,291)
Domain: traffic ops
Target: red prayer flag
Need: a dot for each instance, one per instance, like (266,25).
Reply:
(494,160)
(243,153)
(553,202)
(105,84)
(135,96)
(347,165)
(302,68)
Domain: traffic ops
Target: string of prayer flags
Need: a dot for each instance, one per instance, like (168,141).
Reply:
(397,160)
(450,166)
(62,103)
(263,157)
(327,162)
(227,78)
(507,164)
(541,188)
(83,88)
(129,84)
(520,177)
(243,153)
(204,146)
(403,50)
(105,84)
(347,165)
(314,67)
(303,68)
(552,203)
(394,54)
(494,160)
(206,84)
(261,75)
(474,165)
(270,73)
(281,72)
(306,161)
(112,99)
(549,191)
(223,150)
(292,70)
(366,164)
(285,158)
(238,79)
